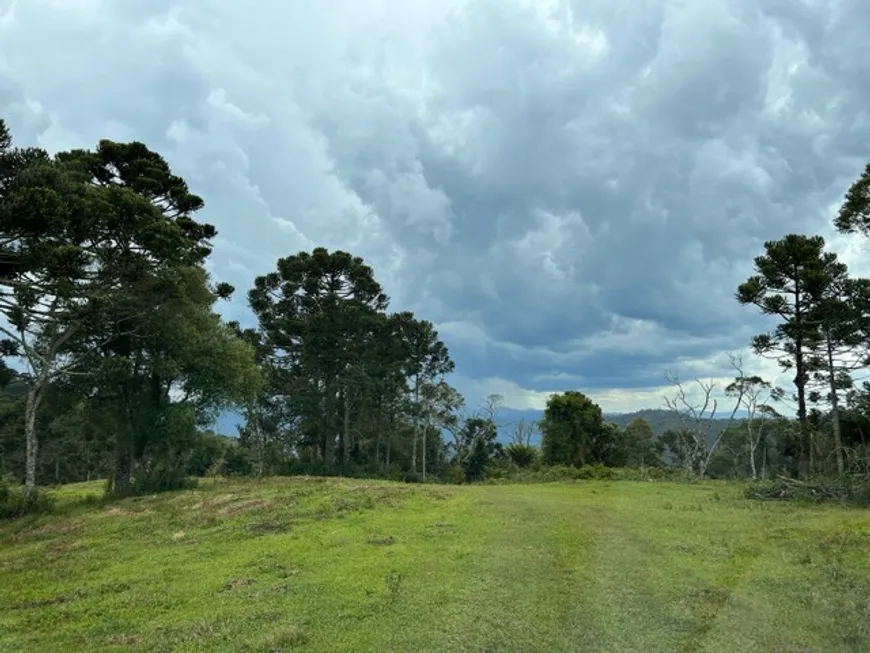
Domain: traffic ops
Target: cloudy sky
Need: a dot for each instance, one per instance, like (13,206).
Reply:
(570,189)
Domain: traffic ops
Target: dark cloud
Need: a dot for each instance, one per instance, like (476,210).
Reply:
(572,190)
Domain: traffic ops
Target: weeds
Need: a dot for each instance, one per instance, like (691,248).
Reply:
(393,581)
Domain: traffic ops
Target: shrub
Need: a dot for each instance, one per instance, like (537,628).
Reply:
(237,462)
(13,503)
(522,455)
(156,479)
(561,473)
(595,471)
(456,474)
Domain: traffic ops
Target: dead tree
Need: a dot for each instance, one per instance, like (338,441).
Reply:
(523,432)
(752,393)
(696,418)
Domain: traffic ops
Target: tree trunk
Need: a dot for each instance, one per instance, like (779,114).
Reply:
(752,469)
(379,419)
(702,465)
(416,423)
(345,434)
(34,396)
(260,444)
(424,451)
(390,439)
(806,438)
(835,406)
(123,467)
(124,444)
(753,445)
(328,425)
(800,381)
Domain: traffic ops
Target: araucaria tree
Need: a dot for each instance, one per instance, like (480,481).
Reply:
(102,286)
(340,366)
(791,281)
(47,285)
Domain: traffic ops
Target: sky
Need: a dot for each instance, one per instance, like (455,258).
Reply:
(571,190)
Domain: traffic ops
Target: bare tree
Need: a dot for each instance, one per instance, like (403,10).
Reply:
(752,394)
(697,418)
(523,431)
(493,403)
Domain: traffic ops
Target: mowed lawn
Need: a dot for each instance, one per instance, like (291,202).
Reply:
(346,565)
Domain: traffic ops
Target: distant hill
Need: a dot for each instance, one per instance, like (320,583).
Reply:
(17,387)
(661,420)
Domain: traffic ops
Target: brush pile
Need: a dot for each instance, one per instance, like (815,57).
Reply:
(849,489)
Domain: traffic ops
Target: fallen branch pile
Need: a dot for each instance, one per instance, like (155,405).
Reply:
(848,490)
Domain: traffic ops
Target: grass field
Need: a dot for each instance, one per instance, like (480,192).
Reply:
(340,565)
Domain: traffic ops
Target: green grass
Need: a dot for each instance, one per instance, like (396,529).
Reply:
(333,565)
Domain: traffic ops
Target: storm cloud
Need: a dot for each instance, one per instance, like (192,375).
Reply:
(571,191)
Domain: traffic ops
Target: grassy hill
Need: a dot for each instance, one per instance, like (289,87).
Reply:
(323,565)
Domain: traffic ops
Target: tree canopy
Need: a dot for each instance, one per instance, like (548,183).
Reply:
(115,359)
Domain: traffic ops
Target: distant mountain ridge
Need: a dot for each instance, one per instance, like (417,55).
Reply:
(659,419)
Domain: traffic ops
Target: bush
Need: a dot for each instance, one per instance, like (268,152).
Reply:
(595,472)
(156,479)
(237,462)
(522,455)
(13,503)
(561,473)
(456,474)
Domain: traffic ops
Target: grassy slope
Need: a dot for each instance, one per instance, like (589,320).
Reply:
(308,565)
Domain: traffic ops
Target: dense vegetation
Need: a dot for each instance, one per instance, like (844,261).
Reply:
(117,360)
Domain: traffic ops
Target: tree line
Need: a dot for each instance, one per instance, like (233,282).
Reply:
(116,359)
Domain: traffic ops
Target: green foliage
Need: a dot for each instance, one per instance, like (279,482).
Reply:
(854,214)
(573,430)
(560,473)
(639,446)
(132,361)
(456,474)
(161,477)
(523,455)
(340,370)
(15,503)
(475,463)
(792,281)
(237,462)
(207,451)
